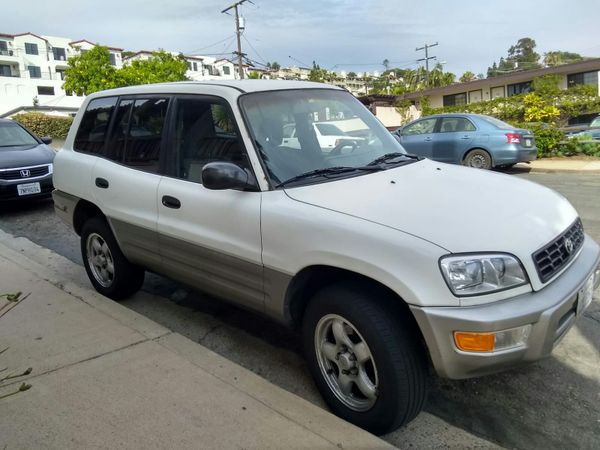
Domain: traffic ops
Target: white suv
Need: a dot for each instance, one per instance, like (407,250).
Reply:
(387,263)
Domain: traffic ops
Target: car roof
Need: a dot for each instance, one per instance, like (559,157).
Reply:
(239,86)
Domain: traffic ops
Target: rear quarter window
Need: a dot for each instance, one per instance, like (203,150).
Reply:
(93,129)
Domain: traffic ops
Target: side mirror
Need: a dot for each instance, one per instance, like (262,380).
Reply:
(225,175)
(46,140)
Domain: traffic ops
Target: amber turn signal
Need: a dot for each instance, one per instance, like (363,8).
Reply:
(474,342)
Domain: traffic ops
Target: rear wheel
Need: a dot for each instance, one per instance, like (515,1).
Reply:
(478,159)
(365,357)
(107,268)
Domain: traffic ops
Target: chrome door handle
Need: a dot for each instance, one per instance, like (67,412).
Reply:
(427,139)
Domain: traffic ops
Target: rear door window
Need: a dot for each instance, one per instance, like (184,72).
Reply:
(91,135)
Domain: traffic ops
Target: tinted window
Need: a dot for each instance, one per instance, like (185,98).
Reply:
(518,88)
(59,54)
(590,78)
(456,99)
(45,90)
(420,127)
(454,124)
(34,71)
(204,132)
(116,146)
(94,125)
(31,49)
(144,136)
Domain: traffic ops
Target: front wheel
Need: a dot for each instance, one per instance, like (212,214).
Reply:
(107,268)
(478,159)
(365,357)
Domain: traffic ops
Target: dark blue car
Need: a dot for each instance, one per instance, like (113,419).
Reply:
(470,139)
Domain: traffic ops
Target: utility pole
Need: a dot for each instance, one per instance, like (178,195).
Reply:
(238,33)
(426,47)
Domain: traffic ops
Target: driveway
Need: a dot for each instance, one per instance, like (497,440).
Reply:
(553,404)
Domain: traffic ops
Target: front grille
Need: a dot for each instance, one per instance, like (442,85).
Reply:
(21,174)
(554,256)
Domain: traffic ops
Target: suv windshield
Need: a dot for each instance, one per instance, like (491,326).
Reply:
(12,135)
(281,124)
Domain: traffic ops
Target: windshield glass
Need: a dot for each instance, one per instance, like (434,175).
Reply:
(12,135)
(282,124)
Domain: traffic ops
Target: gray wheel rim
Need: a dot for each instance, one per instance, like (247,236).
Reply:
(100,260)
(478,161)
(346,362)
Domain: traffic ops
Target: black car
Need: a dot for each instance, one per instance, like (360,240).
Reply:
(25,163)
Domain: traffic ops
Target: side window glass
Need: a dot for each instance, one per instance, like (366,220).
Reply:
(455,124)
(118,137)
(204,132)
(94,126)
(144,138)
(420,127)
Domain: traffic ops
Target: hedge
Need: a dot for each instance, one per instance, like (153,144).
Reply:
(42,124)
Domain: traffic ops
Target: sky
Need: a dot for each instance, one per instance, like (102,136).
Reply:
(350,35)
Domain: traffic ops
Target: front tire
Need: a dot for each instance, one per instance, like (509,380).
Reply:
(365,357)
(107,268)
(478,159)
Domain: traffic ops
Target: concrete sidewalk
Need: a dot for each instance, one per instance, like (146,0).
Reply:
(560,165)
(105,377)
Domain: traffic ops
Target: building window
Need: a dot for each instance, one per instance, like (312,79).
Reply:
(59,54)
(31,49)
(61,73)
(195,67)
(4,48)
(113,59)
(5,70)
(497,92)
(45,90)
(575,79)
(226,70)
(189,65)
(34,71)
(519,88)
(455,99)
(475,96)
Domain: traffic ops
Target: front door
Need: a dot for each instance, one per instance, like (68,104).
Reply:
(209,239)
(417,138)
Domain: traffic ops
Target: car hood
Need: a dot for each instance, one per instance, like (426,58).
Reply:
(22,156)
(457,208)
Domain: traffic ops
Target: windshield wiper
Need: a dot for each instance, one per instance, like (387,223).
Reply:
(328,171)
(388,157)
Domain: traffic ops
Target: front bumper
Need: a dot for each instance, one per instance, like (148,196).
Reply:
(551,311)
(8,190)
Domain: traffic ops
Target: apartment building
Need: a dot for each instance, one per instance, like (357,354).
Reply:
(32,70)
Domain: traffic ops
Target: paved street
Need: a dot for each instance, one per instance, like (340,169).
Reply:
(552,404)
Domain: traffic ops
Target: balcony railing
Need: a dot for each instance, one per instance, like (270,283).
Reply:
(52,76)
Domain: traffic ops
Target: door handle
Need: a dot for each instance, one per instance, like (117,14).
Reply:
(466,137)
(171,202)
(102,183)
(427,139)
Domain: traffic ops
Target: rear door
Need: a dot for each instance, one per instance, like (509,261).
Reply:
(209,239)
(417,138)
(125,182)
(455,135)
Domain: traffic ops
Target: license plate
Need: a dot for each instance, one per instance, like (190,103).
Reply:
(29,188)
(527,142)
(584,298)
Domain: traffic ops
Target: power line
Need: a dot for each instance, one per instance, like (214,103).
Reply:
(254,50)
(208,46)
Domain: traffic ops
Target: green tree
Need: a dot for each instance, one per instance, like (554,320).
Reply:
(90,72)
(254,75)
(467,76)
(351,75)
(162,67)
(521,56)
(386,64)
(556,58)
(275,66)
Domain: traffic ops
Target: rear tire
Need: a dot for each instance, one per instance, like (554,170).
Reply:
(478,159)
(107,268)
(365,357)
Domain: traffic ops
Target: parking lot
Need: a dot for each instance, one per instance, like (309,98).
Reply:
(551,404)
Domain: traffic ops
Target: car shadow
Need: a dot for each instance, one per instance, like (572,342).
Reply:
(18,207)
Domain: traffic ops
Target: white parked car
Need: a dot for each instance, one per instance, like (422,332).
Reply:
(386,263)
(329,136)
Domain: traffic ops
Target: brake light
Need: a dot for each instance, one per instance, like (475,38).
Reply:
(513,138)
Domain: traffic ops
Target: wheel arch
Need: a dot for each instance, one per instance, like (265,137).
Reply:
(84,211)
(311,279)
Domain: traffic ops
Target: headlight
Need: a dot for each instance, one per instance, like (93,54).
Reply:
(482,274)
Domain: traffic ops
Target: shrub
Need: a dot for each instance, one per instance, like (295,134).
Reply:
(578,145)
(45,125)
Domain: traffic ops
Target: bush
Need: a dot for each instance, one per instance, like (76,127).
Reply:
(42,124)
(578,145)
